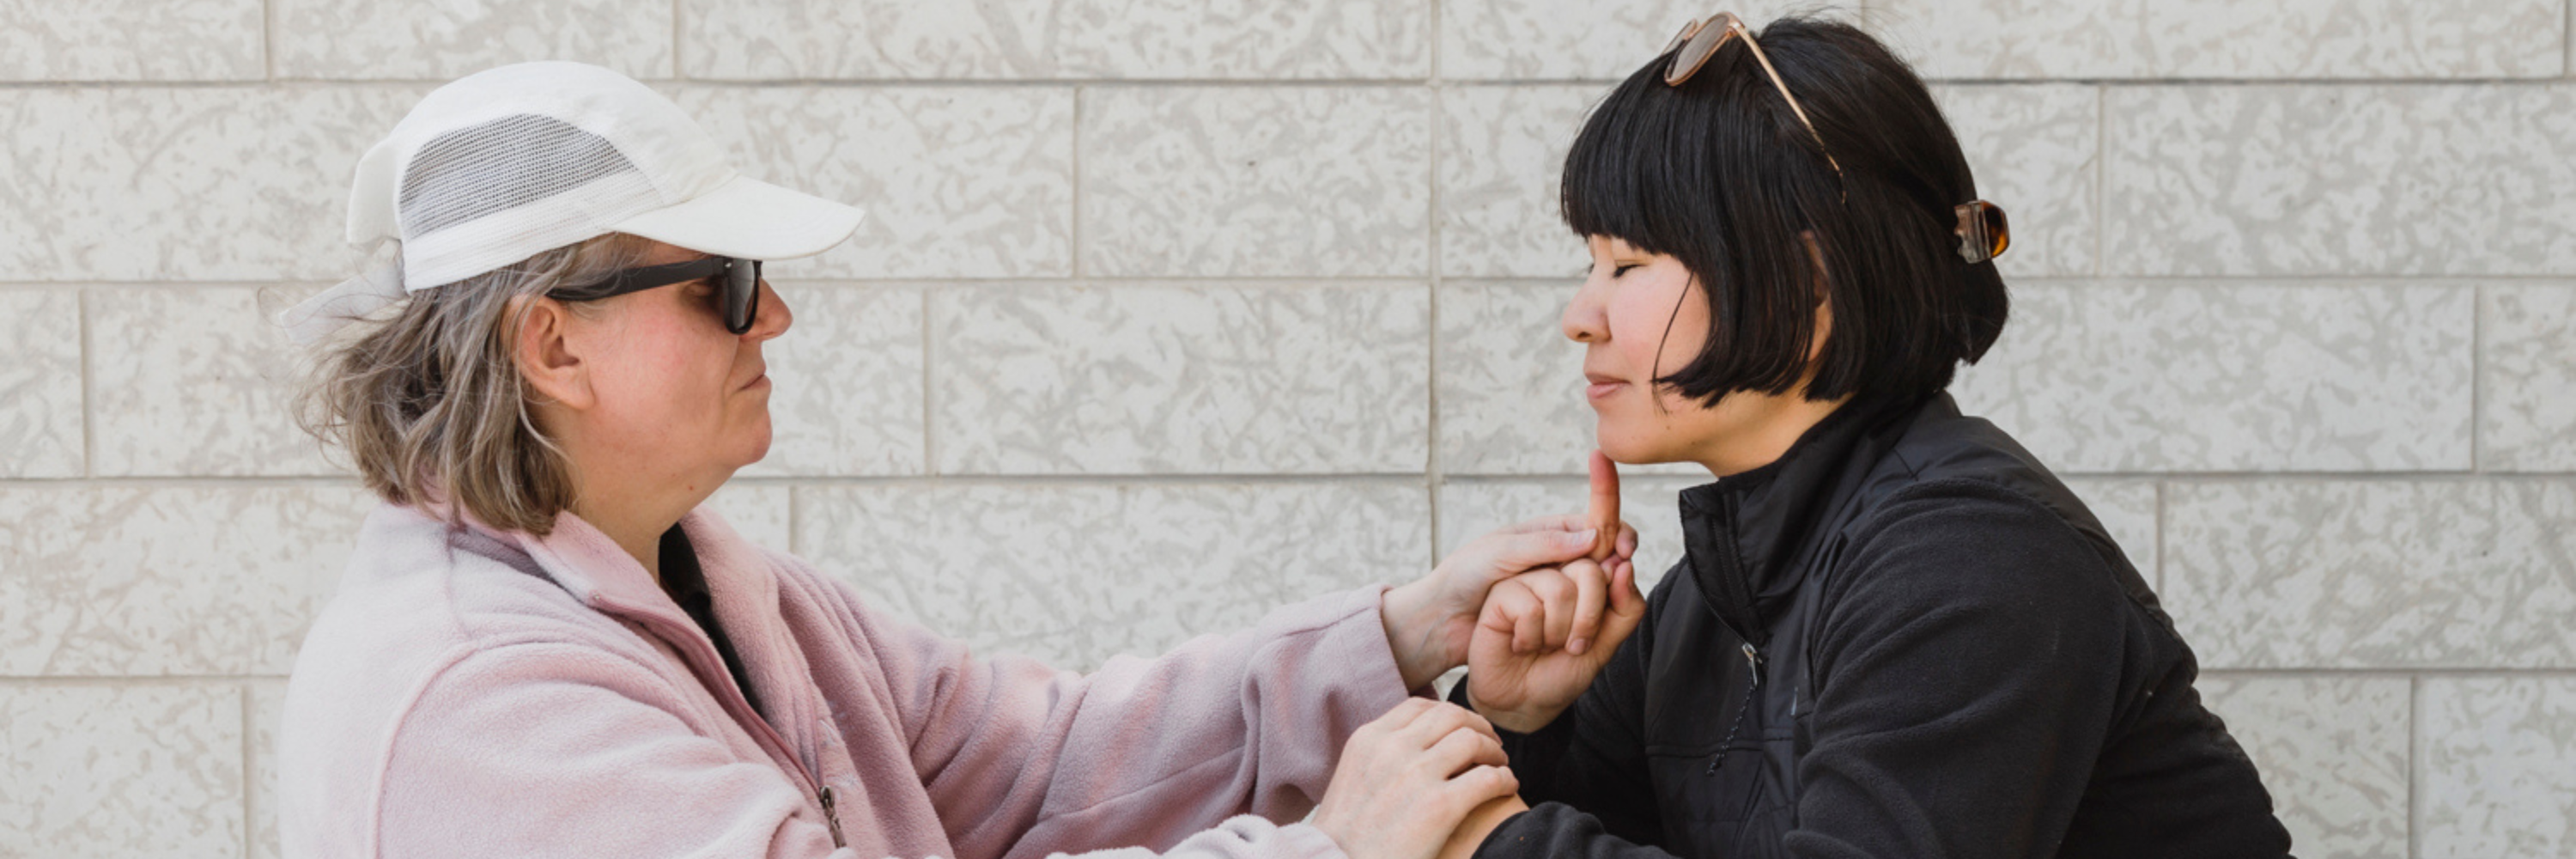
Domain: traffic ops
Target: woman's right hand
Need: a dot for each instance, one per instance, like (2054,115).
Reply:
(1408,779)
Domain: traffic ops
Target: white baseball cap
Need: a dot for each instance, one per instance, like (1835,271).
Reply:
(502,165)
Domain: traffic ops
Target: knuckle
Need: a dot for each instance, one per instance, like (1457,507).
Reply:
(1439,718)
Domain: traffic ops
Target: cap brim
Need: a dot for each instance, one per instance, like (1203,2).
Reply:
(750,219)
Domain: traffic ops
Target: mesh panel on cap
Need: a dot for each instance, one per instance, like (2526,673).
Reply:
(503,164)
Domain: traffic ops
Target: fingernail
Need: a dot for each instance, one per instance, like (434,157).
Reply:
(1581,538)
(1576,646)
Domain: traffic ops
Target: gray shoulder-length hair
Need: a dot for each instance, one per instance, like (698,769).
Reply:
(429,403)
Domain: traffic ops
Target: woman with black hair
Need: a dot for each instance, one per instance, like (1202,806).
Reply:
(1895,633)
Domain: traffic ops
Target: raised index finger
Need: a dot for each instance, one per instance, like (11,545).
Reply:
(1603,512)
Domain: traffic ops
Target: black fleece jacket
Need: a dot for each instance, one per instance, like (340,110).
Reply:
(1904,639)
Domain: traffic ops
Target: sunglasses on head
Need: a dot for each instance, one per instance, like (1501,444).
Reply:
(1699,40)
(1983,233)
(737,294)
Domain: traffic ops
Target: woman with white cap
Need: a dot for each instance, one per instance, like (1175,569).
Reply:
(544,646)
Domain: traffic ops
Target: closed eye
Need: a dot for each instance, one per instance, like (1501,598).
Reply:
(1618,270)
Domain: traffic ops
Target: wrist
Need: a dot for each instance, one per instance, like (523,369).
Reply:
(1518,721)
(1479,825)
(1412,634)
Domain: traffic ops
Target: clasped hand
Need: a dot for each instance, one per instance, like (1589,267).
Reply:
(1545,633)
(1534,610)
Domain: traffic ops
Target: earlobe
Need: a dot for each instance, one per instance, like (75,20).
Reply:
(547,353)
(1824,328)
(1825,300)
(1816,258)
(1824,332)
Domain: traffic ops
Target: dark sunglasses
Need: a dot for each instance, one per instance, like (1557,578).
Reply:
(738,300)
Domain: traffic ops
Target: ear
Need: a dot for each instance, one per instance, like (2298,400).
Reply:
(548,354)
(1824,300)
(1824,331)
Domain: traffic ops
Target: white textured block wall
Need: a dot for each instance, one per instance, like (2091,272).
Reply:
(1174,310)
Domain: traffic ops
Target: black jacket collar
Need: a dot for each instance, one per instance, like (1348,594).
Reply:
(1746,537)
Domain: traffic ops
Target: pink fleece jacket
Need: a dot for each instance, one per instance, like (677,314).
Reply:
(471,693)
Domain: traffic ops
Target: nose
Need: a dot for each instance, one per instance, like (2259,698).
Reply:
(1587,317)
(773,317)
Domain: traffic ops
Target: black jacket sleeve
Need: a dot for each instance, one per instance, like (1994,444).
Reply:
(1968,670)
(1967,666)
(1594,756)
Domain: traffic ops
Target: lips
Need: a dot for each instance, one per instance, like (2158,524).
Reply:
(1601,385)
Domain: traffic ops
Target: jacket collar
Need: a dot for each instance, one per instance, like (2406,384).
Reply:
(582,560)
(586,563)
(1746,536)
(596,572)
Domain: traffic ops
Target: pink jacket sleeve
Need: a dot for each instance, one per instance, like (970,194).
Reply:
(1024,761)
(556,749)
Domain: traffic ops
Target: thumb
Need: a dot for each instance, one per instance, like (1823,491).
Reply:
(1627,610)
(1625,598)
(1602,514)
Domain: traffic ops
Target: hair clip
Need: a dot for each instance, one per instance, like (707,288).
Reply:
(1983,233)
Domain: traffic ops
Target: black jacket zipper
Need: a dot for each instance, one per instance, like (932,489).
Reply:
(1753,670)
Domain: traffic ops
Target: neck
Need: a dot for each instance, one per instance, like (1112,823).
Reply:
(636,515)
(632,503)
(1784,420)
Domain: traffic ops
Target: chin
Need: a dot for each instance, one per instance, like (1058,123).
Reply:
(1627,448)
(754,449)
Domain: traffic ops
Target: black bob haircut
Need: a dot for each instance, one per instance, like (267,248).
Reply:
(1719,174)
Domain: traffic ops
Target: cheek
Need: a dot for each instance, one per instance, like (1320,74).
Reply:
(1641,320)
(663,377)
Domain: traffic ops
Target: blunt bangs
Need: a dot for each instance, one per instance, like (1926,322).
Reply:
(1607,190)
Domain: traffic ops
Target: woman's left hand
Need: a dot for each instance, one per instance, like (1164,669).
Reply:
(1518,676)
(1429,622)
